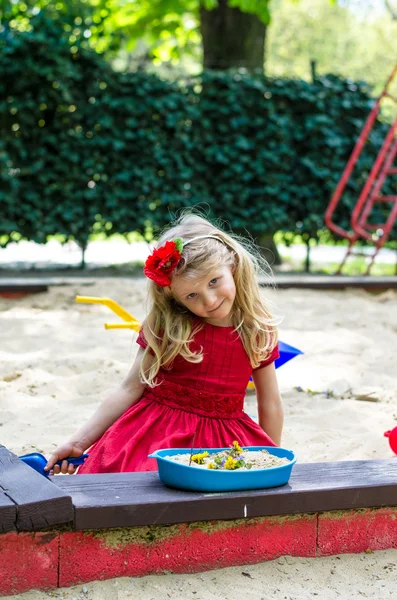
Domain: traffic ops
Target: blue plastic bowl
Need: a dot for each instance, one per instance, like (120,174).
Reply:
(186,477)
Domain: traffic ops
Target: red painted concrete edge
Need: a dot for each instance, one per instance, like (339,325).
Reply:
(86,556)
(14,295)
(28,561)
(357,531)
(46,560)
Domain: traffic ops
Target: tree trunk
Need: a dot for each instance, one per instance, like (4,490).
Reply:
(269,250)
(231,38)
(307,260)
(83,246)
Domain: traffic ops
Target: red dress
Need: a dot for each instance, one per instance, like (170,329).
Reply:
(202,400)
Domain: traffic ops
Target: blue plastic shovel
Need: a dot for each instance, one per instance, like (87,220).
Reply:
(38,461)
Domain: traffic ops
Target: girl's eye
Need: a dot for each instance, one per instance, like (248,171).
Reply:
(192,295)
(214,281)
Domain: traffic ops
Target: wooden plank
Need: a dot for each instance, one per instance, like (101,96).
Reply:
(319,282)
(333,282)
(39,503)
(21,283)
(29,285)
(134,499)
(8,512)
(11,291)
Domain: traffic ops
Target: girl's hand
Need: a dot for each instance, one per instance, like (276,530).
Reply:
(66,449)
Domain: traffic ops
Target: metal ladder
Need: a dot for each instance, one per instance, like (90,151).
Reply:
(371,193)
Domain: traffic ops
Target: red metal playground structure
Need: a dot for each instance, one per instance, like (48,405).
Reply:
(383,167)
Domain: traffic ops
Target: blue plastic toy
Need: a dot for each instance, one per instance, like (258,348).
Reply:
(287,352)
(186,477)
(38,461)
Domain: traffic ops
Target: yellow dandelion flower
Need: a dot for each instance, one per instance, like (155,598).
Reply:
(199,458)
(237,447)
(230,464)
(211,466)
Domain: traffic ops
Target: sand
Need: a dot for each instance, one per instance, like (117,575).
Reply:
(344,577)
(57,361)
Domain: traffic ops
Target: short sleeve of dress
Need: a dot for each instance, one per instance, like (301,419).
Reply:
(141,340)
(270,359)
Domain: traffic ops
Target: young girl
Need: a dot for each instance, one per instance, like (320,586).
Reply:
(209,329)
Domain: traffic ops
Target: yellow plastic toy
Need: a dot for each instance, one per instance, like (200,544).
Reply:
(130,321)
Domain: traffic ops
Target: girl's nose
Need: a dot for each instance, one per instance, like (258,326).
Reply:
(209,301)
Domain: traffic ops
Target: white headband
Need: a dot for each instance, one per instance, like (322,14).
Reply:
(202,237)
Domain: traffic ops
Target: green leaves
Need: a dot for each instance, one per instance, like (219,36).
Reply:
(256,7)
(85,149)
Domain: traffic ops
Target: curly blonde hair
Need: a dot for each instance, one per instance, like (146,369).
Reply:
(169,326)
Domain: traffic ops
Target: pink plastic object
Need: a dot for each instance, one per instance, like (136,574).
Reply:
(392,435)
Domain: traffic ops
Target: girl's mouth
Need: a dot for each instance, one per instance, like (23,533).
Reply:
(214,309)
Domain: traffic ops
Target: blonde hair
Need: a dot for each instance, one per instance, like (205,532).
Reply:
(169,326)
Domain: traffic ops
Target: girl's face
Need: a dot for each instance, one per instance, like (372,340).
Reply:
(210,297)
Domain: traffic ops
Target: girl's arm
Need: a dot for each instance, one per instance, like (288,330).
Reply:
(270,406)
(128,392)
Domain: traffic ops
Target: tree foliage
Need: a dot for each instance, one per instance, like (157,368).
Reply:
(84,148)
(165,28)
(350,39)
(344,37)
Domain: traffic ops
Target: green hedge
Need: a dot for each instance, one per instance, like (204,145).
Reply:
(84,148)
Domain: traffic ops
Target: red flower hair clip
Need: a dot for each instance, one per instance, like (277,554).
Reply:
(160,265)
